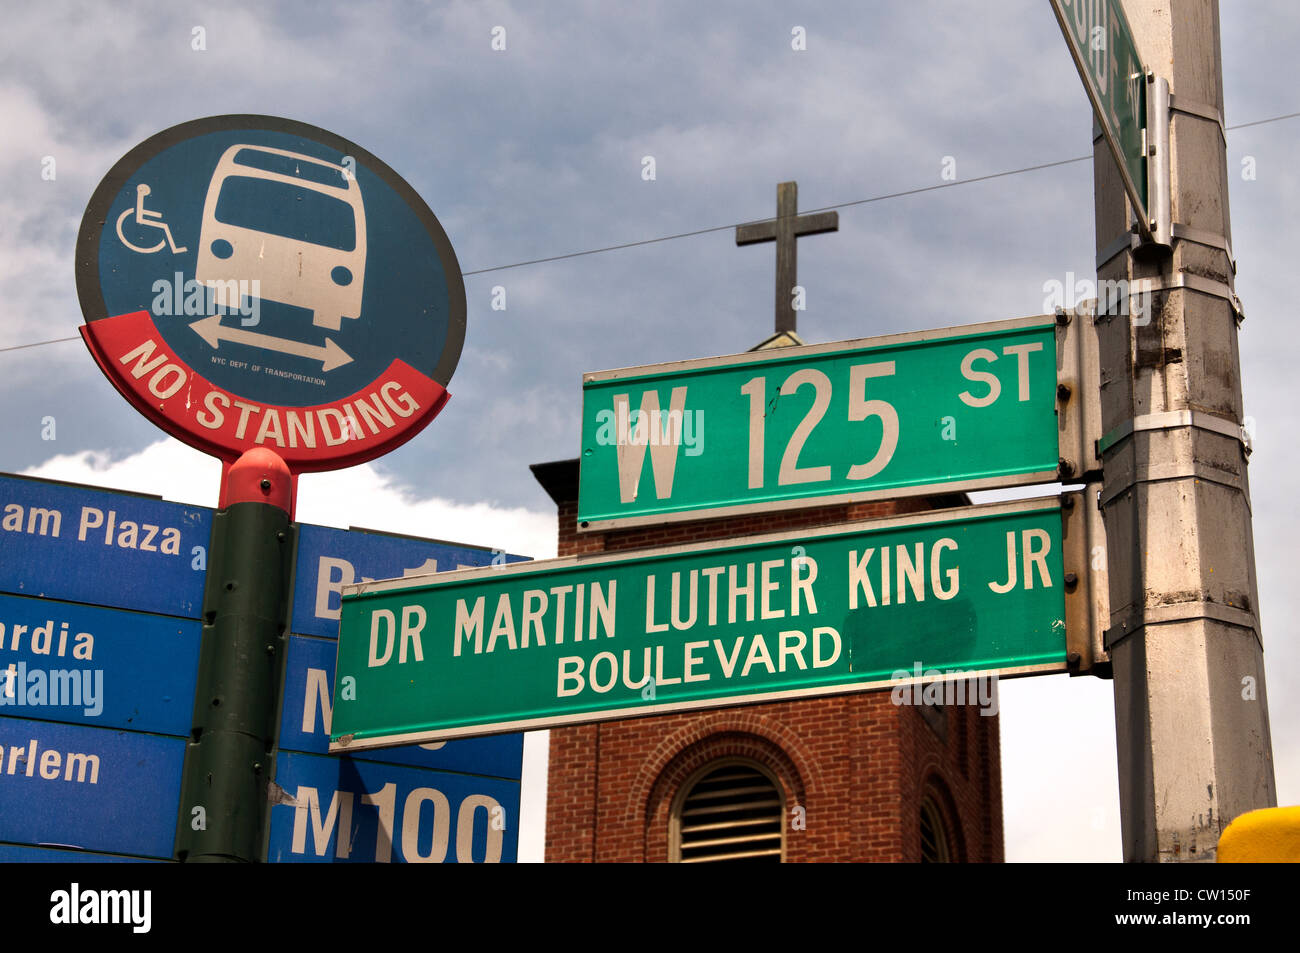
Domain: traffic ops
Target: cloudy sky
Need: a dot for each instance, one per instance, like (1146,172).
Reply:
(537,150)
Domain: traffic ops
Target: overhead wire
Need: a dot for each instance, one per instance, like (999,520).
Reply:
(722,228)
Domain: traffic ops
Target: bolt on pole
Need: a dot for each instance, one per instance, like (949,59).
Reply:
(1191,714)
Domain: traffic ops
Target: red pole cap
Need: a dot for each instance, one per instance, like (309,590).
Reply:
(258,476)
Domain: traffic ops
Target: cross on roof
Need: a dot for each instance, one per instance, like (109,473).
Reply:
(784,230)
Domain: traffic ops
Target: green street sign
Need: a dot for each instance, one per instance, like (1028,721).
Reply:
(854,606)
(907,414)
(1105,53)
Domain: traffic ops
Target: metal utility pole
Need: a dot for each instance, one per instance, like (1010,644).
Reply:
(1190,707)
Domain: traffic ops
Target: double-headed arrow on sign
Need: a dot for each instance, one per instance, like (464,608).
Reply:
(214,332)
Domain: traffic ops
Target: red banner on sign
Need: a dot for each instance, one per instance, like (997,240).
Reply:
(133,354)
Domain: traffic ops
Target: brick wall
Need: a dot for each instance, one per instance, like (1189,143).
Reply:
(857,764)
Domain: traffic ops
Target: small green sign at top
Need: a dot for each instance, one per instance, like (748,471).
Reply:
(1101,42)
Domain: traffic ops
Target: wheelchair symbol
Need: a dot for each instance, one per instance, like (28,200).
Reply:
(146,219)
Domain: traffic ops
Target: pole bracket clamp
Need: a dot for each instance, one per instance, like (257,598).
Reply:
(1135,620)
(1172,420)
(1200,111)
(1201,236)
(1128,242)
(1190,282)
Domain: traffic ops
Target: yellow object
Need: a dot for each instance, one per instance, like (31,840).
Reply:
(1267,836)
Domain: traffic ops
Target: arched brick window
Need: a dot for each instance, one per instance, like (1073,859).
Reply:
(935,843)
(729,811)
(939,824)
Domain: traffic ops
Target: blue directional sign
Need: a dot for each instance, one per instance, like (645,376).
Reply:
(90,788)
(326,560)
(57,540)
(65,662)
(329,559)
(249,281)
(337,810)
(308,713)
(101,596)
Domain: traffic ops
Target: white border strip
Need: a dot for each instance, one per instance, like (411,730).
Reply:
(955,514)
(618,714)
(812,350)
(807,502)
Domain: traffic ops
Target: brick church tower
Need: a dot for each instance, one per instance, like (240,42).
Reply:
(847,778)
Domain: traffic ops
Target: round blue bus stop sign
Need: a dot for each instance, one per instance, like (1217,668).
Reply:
(249,281)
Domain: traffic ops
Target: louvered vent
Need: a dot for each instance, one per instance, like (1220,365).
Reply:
(732,814)
(934,841)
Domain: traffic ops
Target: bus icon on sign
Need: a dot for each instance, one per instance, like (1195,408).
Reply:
(291,222)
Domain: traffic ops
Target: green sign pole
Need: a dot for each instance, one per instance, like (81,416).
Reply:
(224,806)
(842,608)
(925,412)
